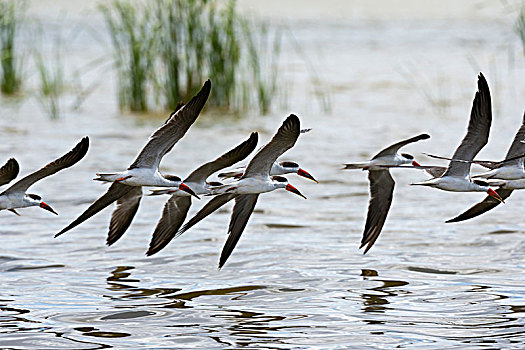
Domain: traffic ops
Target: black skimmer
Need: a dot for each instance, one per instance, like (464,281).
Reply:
(382,186)
(126,188)
(278,168)
(176,208)
(246,190)
(456,177)
(16,197)
(511,168)
(509,172)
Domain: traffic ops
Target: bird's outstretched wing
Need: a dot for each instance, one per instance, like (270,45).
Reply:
(67,160)
(489,164)
(477,133)
(517,148)
(242,210)
(482,207)
(164,138)
(121,218)
(381,191)
(390,150)
(173,216)
(114,192)
(214,204)
(227,159)
(283,140)
(9,171)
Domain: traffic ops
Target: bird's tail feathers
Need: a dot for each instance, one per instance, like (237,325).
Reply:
(109,177)
(355,165)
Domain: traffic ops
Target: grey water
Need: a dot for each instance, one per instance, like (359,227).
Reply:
(296,279)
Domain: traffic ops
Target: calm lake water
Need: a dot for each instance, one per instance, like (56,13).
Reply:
(297,278)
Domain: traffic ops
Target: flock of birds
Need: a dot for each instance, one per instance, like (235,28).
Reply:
(264,174)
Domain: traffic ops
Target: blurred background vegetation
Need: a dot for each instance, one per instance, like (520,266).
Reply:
(161,52)
(164,50)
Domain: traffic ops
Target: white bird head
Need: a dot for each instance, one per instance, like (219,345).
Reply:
(409,159)
(485,186)
(282,182)
(36,200)
(293,167)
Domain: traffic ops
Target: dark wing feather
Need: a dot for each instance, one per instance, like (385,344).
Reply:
(390,150)
(477,133)
(490,164)
(214,204)
(9,171)
(517,148)
(381,190)
(164,138)
(242,210)
(173,216)
(67,160)
(114,192)
(123,215)
(228,159)
(435,171)
(484,163)
(482,207)
(283,140)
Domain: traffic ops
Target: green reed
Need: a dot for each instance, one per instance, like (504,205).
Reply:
(133,36)
(11,12)
(165,49)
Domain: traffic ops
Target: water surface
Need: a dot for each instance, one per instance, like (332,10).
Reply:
(297,278)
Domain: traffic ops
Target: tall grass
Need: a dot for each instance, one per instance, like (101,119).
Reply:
(165,49)
(198,39)
(11,12)
(133,35)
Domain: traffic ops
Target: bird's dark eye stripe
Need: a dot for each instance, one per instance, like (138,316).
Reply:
(35,196)
(279,179)
(289,165)
(408,156)
(480,182)
(172,177)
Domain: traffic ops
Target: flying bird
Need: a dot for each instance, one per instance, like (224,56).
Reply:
(456,177)
(382,186)
(126,187)
(16,197)
(511,175)
(278,168)
(176,208)
(511,168)
(246,190)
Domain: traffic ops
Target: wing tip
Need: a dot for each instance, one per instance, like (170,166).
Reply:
(152,250)
(456,219)
(483,86)
(81,148)
(206,87)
